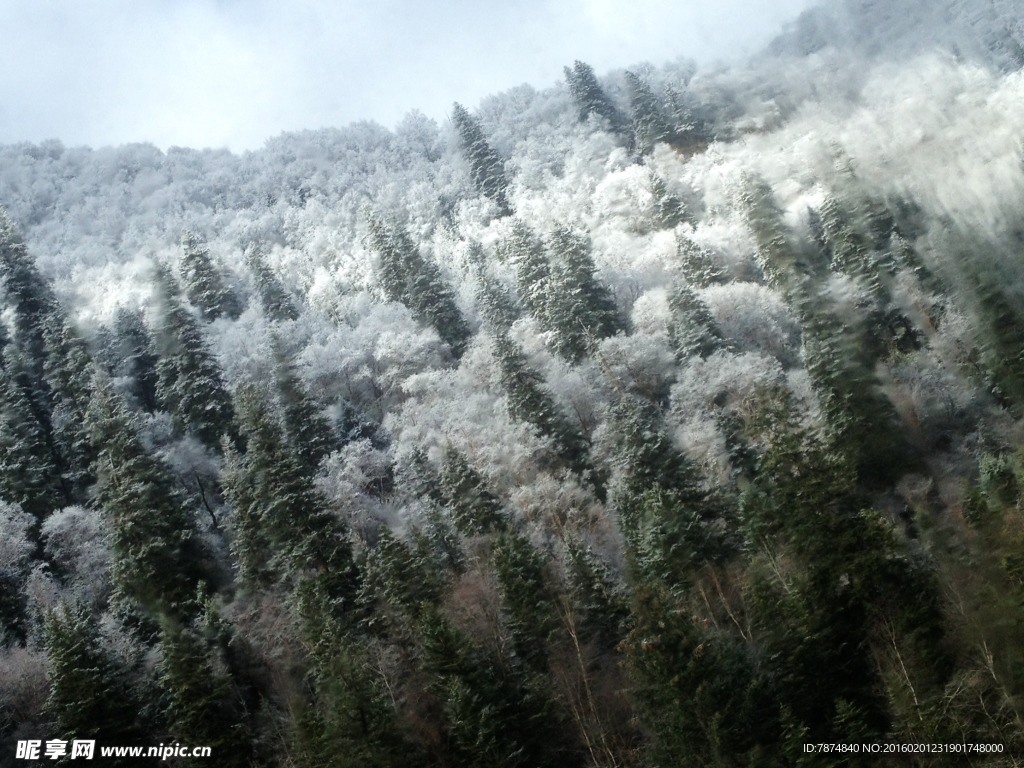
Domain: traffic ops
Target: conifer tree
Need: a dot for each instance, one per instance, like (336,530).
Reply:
(669,210)
(408,278)
(693,330)
(590,98)
(474,508)
(283,525)
(580,310)
(533,272)
(89,696)
(29,474)
(276,302)
(485,167)
(529,402)
(203,282)
(198,704)
(190,384)
(650,123)
(29,293)
(308,432)
(67,371)
(526,595)
(698,268)
(158,558)
(137,358)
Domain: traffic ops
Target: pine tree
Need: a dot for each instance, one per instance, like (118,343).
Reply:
(276,302)
(474,508)
(67,371)
(533,272)
(308,432)
(581,311)
(408,278)
(190,384)
(650,123)
(204,284)
(136,358)
(283,526)
(698,268)
(669,210)
(693,330)
(590,98)
(29,293)
(89,696)
(29,474)
(158,558)
(526,596)
(485,167)
(529,402)
(198,704)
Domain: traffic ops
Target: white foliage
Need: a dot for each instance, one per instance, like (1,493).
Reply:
(15,545)
(76,538)
(754,318)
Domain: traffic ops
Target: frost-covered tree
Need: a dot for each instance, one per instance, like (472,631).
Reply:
(650,123)
(407,277)
(203,282)
(590,99)
(485,167)
(693,331)
(159,560)
(190,384)
(277,303)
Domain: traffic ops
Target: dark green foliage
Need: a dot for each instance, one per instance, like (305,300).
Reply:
(190,384)
(158,558)
(68,374)
(580,310)
(28,292)
(601,601)
(408,278)
(590,98)
(284,529)
(697,265)
(669,210)
(533,272)
(405,579)
(485,167)
(128,352)
(650,122)
(474,509)
(198,703)
(90,696)
(307,430)
(203,282)
(528,600)
(29,474)
(693,331)
(277,303)
(529,402)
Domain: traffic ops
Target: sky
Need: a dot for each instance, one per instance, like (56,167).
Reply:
(232,73)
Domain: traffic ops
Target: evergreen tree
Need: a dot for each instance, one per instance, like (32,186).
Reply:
(408,278)
(581,311)
(485,167)
(529,402)
(204,284)
(198,703)
(67,371)
(590,98)
(136,358)
(276,302)
(698,268)
(158,558)
(282,525)
(190,384)
(650,123)
(29,474)
(475,509)
(526,596)
(308,432)
(30,295)
(89,696)
(693,331)
(669,210)
(533,272)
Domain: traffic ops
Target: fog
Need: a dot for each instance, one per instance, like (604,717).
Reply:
(225,73)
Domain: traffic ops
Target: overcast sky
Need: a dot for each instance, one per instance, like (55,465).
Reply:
(235,72)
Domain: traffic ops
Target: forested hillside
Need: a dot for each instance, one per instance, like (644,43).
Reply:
(664,417)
